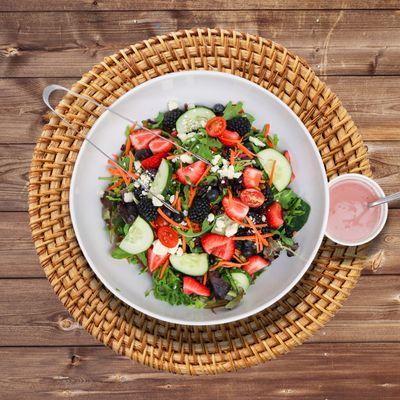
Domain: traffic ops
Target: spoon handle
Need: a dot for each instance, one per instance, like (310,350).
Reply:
(386,199)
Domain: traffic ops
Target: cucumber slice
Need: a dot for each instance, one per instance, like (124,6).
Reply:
(139,237)
(162,178)
(195,264)
(192,120)
(283,170)
(241,279)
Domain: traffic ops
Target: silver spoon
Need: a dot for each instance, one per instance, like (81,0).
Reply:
(386,199)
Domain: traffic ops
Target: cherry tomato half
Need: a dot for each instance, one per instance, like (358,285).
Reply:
(252,197)
(229,138)
(160,221)
(216,126)
(167,236)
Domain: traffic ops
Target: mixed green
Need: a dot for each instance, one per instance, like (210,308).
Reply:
(234,215)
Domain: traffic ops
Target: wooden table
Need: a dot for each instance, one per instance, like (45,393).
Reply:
(354,45)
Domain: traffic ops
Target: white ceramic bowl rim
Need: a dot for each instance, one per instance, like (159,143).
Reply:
(224,318)
(384,207)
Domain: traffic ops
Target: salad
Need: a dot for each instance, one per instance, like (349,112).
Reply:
(235,214)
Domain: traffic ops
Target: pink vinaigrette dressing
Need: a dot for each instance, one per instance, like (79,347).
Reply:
(350,219)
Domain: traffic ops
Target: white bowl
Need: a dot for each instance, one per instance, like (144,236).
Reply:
(206,88)
(384,208)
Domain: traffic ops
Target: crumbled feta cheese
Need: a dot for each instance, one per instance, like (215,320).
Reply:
(231,229)
(179,252)
(186,136)
(155,200)
(185,213)
(161,250)
(183,223)
(215,159)
(172,105)
(237,175)
(257,141)
(145,179)
(227,171)
(186,158)
(174,160)
(210,217)
(263,218)
(128,197)
(137,165)
(136,184)
(171,198)
(214,168)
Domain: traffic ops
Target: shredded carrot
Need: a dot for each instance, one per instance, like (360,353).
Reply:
(269,142)
(227,264)
(179,204)
(258,234)
(184,244)
(271,177)
(130,168)
(115,185)
(176,196)
(205,173)
(205,278)
(171,221)
(189,223)
(133,128)
(128,146)
(266,130)
(192,194)
(232,157)
(245,150)
(237,258)
(171,156)
(164,268)
(247,225)
(229,194)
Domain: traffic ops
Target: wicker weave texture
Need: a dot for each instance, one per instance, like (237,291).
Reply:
(181,349)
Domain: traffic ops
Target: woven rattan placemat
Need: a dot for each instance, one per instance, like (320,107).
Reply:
(193,350)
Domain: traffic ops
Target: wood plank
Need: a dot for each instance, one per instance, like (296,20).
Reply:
(18,258)
(136,5)
(370,314)
(371,101)
(15,162)
(38,44)
(317,371)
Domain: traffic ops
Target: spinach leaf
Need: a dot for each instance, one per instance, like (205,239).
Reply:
(286,198)
(142,258)
(298,215)
(119,254)
(157,122)
(232,110)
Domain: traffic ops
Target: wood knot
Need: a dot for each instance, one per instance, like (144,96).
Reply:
(75,360)
(10,52)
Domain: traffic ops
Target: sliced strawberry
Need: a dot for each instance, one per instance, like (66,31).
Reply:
(141,138)
(251,177)
(192,286)
(287,155)
(229,138)
(191,173)
(219,245)
(234,208)
(153,161)
(160,145)
(274,215)
(255,263)
(154,261)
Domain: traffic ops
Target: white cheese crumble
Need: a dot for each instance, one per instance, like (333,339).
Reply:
(171,198)
(263,218)
(179,252)
(210,217)
(172,105)
(215,159)
(145,179)
(186,158)
(257,141)
(186,136)
(137,165)
(231,229)
(156,202)
(185,213)
(161,250)
(136,184)
(128,197)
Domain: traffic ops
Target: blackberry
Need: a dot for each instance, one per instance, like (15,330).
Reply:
(170,118)
(142,154)
(212,194)
(219,109)
(199,210)
(212,259)
(242,231)
(255,215)
(248,248)
(128,212)
(137,192)
(176,217)
(146,209)
(269,196)
(241,125)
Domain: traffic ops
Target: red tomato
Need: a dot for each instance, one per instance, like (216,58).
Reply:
(160,221)
(216,126)
(167,236)
(229,138)
(252,197)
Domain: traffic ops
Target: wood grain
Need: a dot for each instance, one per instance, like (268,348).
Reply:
(38,44)
(18,258)
(371,313)
(362,96)
(135,5)
(15,161)
(338,371)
